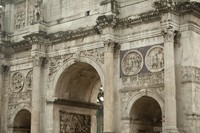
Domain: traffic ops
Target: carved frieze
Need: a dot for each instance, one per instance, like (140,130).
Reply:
(73,34)
(132,62)
(190,74)
(29,80)
(142,80)
(20,15)
(16,98)
(154,60)
(17,82)
(74,123)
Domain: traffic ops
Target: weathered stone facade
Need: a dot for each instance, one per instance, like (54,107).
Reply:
(56,54)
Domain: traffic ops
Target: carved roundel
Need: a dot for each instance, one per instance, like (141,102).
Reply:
(155,59)
(132,63)
(29,80)
(17,82)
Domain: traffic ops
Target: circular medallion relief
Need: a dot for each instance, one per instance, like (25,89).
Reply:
(132,63)
(17,82)
(155,59)
(29,80)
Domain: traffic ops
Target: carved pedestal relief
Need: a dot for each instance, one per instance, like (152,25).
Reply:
(132,63)
(17,82)
(27,12)
(155,59)
(31,12)
(20,15)
(29,80)
(74,123)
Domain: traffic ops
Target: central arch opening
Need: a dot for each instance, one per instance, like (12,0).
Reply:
(146,116)
(79,97)
(22,122)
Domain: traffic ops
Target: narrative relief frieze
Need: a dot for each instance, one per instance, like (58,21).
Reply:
(142,80)
(74,123)
(190,74)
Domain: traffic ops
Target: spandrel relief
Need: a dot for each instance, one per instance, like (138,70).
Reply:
(132,63)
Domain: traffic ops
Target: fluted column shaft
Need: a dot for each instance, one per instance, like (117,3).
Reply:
(170,83)
(109,88)
(36,96)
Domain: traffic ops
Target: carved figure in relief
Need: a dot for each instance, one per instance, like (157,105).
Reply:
(132,63)
(20,20)
(31,17)
(74,123)
(155,59)
(38,12)
(17,82)
(29,80)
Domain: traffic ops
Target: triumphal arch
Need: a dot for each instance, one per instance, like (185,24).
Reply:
(100,66)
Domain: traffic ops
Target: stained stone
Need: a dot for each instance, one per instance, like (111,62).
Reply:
(99,66)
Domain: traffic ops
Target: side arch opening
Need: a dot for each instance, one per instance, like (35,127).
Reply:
(22,122)
(146,116)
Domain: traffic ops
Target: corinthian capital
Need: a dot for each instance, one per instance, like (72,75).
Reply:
(168,35)
(4,68)
(109,45)
(38,60)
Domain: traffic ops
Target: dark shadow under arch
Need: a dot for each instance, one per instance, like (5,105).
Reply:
(146,116)
(22,122)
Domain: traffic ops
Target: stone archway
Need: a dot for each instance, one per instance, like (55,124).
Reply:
(22,122)
(146,116)
(76,94)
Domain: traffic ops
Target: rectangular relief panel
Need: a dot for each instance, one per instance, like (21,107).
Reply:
(20,15)
(74,123)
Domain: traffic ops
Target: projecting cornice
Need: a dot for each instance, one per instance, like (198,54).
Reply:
(72,34)
(179,8)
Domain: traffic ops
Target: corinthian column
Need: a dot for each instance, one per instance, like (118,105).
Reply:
(109,88)
(36,95)
(170,83)
(38,54)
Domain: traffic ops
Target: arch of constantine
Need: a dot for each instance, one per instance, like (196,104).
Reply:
(100,66)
